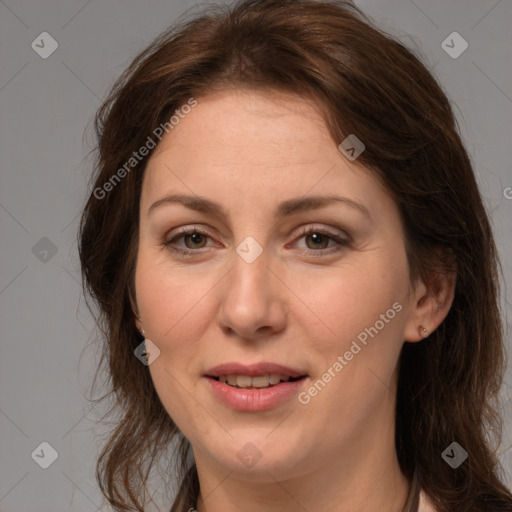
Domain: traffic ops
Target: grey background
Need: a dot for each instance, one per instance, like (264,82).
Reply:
(48,350)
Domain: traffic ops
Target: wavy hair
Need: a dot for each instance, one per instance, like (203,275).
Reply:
(367,83)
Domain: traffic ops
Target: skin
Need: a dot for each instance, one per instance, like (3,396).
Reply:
(249,151)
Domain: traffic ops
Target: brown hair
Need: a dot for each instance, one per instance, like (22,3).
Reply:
(369,84)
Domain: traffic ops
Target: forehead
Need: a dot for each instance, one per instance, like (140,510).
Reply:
(251,127)
(242,144)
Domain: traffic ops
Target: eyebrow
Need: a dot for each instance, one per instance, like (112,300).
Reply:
(286,208)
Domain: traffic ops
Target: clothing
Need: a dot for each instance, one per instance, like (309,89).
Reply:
(426,504)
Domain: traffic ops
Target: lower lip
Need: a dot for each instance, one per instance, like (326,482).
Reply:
(255,399)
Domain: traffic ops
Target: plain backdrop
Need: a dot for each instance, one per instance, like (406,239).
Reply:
(48,342)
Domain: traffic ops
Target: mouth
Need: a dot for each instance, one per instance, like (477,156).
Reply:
(254,387)
(256,382)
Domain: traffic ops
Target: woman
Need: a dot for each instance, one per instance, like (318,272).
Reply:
(284,212)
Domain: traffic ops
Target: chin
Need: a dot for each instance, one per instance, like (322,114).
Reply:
(255,455)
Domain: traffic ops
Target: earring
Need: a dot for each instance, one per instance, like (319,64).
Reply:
(141,328)
(147,351)
(422,331)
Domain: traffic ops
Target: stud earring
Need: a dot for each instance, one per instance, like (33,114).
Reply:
(141,329)
(422,331)
(147,351)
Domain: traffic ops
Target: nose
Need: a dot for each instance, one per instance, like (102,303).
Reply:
(253,300)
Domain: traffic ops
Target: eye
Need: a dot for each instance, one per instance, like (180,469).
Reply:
(317,241)
(193,238)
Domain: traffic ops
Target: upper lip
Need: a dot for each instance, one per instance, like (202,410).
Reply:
(253,370)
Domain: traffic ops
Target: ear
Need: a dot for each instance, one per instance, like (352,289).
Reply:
(430,304)
(135,311)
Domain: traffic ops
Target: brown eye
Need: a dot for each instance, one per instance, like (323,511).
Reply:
(188,242)
(318,240)
(197,240)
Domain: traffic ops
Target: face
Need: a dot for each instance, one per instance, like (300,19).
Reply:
(265,255)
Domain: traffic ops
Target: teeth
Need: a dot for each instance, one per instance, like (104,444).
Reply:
(242,381)
(260,381)
(274,378)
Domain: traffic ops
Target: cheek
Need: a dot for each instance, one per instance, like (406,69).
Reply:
(353,297)
(172,302)
(361,315)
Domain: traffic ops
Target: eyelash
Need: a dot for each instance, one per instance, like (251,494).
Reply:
(342,242)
